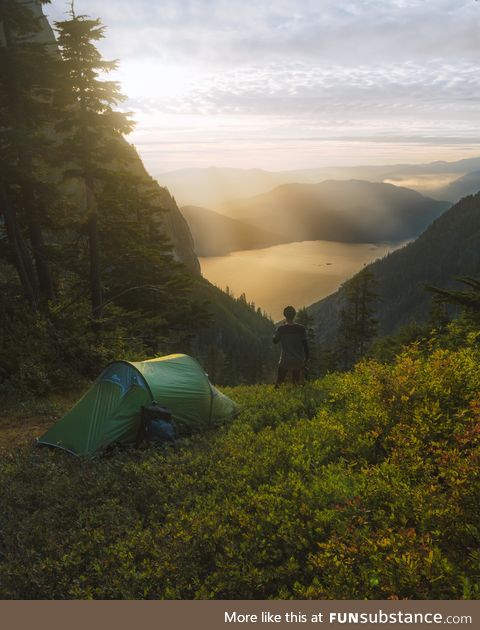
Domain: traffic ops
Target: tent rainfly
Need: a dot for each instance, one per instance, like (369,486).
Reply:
(110,411)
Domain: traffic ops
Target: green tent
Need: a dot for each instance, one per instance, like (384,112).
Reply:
(110,410)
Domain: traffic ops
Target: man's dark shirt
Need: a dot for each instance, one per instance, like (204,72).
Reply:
(293,339)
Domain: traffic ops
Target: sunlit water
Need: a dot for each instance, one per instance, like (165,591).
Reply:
(295,273)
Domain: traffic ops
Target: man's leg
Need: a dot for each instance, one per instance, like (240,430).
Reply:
(281,375)
(298,375)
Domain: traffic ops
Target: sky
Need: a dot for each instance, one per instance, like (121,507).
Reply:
(287,84)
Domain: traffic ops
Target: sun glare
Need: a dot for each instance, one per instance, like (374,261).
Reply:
(155,82)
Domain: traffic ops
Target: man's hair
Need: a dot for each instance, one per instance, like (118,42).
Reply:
(289,312)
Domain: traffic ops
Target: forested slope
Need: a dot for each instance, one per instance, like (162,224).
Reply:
(449,246)
(96,261)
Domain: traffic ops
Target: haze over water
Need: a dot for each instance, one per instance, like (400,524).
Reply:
(293,273)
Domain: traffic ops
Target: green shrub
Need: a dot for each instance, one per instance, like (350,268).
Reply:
(360,485)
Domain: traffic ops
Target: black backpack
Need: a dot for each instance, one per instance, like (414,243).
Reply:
(156,424)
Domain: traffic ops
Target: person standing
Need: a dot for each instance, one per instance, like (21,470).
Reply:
(295,352)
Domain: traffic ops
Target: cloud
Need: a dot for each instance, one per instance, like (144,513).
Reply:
(307,91)
(226,32)
(213,71)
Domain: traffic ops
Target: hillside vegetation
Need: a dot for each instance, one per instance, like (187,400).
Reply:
(360,485)
(449,247)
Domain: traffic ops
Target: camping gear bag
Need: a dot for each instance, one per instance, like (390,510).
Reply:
(156,424)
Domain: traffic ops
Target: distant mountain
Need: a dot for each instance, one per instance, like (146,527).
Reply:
(215,234)
(467,185)
(345,211)
(439,167)
(211,187)
(449,247)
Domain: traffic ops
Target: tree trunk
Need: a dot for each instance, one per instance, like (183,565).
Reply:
(96,291)
(35,234)
(21,257)
(42,265)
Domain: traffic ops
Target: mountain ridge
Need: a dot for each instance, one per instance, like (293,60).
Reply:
(212,186)
(353,211)
(214,234)
(468,184)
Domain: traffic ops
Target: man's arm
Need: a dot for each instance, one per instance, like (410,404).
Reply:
(306,349)
(276,336)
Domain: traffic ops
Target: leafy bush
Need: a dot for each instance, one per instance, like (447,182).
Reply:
(360,485)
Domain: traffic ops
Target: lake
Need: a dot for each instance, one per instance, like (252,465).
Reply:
(294,273)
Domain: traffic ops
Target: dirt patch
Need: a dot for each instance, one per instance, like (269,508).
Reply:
(13,434)
(26,421)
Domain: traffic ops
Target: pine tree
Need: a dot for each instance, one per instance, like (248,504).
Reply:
(469,300)
(308,321)
(134,280)
(215,363)
(141,275)
(346,338)
(364,297)
(358,324)
(438,317)
(92,131)
(27,77)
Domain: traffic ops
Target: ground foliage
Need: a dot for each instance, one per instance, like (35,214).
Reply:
(360,485)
